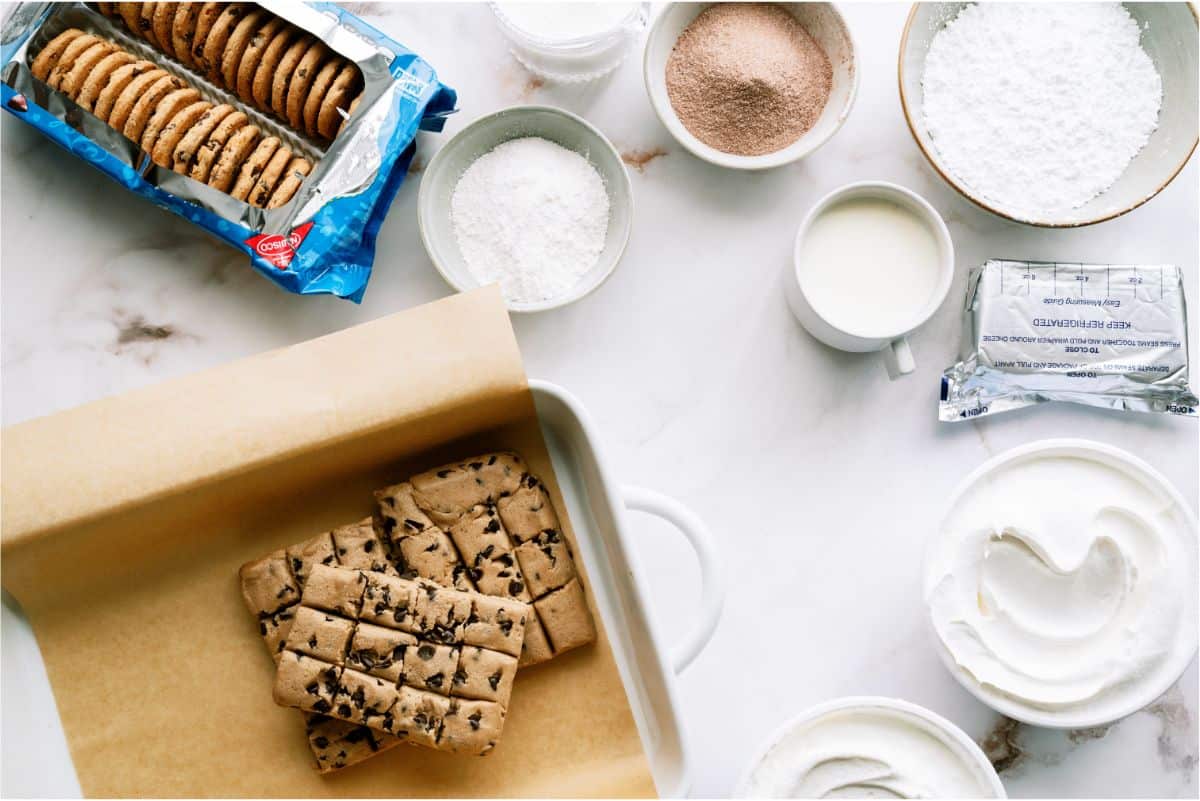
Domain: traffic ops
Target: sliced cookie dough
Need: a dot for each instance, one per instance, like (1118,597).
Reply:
(99,76)
(565,616)
(236,150)
(165,146)
(339,99)
(164,111)
(50,55)
(297,170)
(209,153)
(194,138)
(252,168)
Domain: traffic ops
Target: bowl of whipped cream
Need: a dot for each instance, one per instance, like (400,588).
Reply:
(869,747)
(1061,585)
(1052,114)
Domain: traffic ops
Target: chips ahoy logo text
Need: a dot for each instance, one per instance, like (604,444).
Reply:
(279,249)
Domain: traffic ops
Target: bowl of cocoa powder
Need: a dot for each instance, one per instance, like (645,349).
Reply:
(751,85)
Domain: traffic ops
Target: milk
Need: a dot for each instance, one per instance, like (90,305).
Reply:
(869,266)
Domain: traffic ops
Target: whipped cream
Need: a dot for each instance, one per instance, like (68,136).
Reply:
(871,751)
(1064,582)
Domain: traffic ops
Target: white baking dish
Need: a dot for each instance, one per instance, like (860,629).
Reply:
(38,763)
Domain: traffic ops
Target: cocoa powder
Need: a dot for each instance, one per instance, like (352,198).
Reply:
(747,79)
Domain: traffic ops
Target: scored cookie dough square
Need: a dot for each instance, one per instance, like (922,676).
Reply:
(497,623)
(389,601)
(320,635)
(445,493)
(420,716)
(431,555)
(359,547)
(304,682)
(336,744)
(439,614)
(335,589)
(379,651)
(267,584)
(316,550)
(484,675)
(545,562)
(535,647)
(565,616)
(398,514)
(431,667)
(365,699)
(472,727)
(274,630)
(485,548)
(527,512)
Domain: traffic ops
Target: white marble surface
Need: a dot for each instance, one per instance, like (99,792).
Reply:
(821,478)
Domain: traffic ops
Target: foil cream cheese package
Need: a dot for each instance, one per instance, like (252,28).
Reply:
(1062,584)
(323,239)
(1106,335)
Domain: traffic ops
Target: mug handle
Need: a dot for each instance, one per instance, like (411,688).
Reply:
(898,358)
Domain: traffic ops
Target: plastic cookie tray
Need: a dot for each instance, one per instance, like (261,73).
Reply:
(597,507)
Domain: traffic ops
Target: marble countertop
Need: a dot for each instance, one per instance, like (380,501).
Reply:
(820,476)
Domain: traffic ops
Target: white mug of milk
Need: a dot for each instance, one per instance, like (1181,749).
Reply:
(873,261)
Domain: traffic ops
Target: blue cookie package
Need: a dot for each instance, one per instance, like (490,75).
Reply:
(322,240)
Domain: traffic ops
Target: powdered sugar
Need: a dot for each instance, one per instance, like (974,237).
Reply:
(1039,108)
(531,215)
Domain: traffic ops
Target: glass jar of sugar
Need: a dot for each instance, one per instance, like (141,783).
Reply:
(571,42)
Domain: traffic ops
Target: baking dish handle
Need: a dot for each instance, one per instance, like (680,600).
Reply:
(712,588)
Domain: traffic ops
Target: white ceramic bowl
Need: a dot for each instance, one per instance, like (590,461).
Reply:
(1168,37)
(942,729)
(822,21)
(1151,685)
(563,128)
(576,60)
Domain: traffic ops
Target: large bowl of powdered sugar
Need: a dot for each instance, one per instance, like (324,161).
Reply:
(1054,115)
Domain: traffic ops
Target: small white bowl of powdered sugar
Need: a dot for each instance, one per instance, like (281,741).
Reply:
(1049,114)
(751,86)
(532,198)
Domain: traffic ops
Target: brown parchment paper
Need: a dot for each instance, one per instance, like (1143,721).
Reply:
(124,523)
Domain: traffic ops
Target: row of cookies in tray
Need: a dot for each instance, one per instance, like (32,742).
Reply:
(213,143)
(269,63)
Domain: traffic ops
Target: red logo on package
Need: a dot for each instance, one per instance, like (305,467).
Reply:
(277,248)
